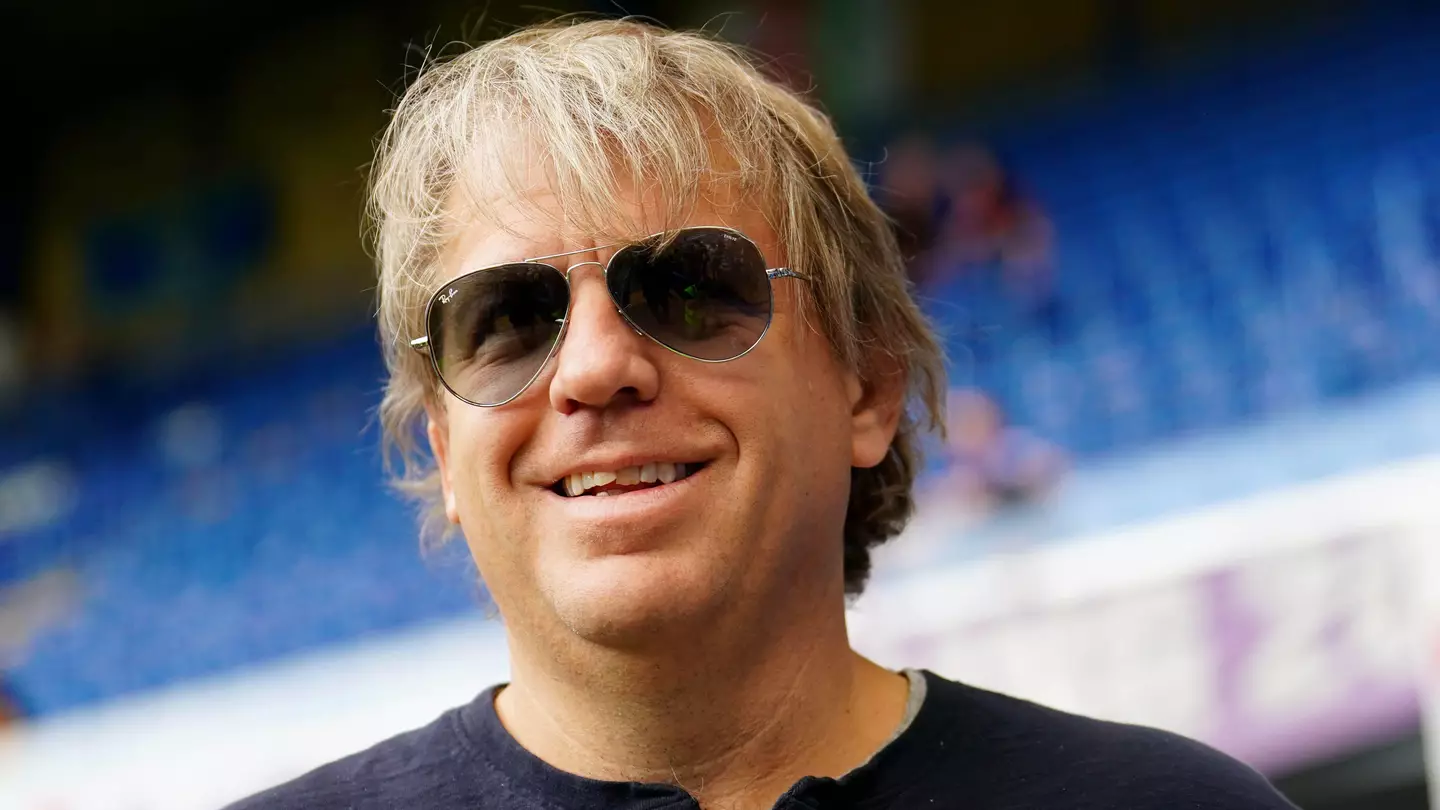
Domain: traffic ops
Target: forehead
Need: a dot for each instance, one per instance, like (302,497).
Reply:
(529,215)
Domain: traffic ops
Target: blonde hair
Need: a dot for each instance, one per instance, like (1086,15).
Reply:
(605,103)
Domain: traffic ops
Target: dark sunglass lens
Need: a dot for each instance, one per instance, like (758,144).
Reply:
(491,331)
(705,293)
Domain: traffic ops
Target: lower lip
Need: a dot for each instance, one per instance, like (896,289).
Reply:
(631,505)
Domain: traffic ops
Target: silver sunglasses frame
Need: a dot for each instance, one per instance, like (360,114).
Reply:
(422,344)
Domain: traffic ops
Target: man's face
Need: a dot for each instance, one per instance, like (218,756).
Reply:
(754,532)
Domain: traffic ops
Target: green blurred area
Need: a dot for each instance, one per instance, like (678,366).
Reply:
(191,175)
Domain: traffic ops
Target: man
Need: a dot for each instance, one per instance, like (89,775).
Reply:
(660,347)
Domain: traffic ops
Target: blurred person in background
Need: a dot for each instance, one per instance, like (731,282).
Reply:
(991,222)
(911,194)
(991,464)
(10,710)
(992,228)
(28,607)
(671,456)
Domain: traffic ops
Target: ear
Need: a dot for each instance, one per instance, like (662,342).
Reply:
(437,431)
(875,408)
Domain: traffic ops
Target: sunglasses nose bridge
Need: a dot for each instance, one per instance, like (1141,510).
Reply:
(572,267)
(619,307)
(604,267)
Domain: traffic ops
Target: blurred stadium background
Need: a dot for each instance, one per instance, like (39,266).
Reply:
(1187,261)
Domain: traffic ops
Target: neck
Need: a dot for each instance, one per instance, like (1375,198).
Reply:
(734,724)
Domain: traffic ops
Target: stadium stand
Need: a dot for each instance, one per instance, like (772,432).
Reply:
(1261,241)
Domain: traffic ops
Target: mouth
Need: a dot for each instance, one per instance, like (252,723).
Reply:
(609,483)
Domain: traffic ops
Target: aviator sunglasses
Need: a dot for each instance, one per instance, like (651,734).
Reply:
(701,292)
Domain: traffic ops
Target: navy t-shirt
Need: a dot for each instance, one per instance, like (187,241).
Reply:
(966,748)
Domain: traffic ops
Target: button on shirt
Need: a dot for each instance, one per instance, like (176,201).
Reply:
(964,748)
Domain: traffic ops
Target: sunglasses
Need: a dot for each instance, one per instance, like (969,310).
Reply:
(703,293)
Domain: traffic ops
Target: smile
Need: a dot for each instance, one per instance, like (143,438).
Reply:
(602,483)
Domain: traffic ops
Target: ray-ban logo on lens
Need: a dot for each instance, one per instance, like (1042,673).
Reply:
(445,297)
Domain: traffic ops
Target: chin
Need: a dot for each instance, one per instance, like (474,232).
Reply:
(637,601)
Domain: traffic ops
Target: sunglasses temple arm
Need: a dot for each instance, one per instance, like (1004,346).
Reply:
(421,344)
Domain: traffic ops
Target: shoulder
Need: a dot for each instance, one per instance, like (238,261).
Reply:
(419,768)
(1046,754)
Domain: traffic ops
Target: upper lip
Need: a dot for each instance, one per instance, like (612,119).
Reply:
(620,462)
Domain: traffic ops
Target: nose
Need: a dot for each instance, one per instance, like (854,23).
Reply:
(603,361)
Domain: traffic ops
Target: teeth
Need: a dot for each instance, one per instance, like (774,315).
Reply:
(662,472)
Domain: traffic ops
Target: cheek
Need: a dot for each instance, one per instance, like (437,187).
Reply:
(483,443)
(806,410)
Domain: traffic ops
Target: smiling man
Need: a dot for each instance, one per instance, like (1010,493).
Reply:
(653,356)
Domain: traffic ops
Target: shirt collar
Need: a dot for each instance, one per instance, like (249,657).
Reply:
(893,769)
